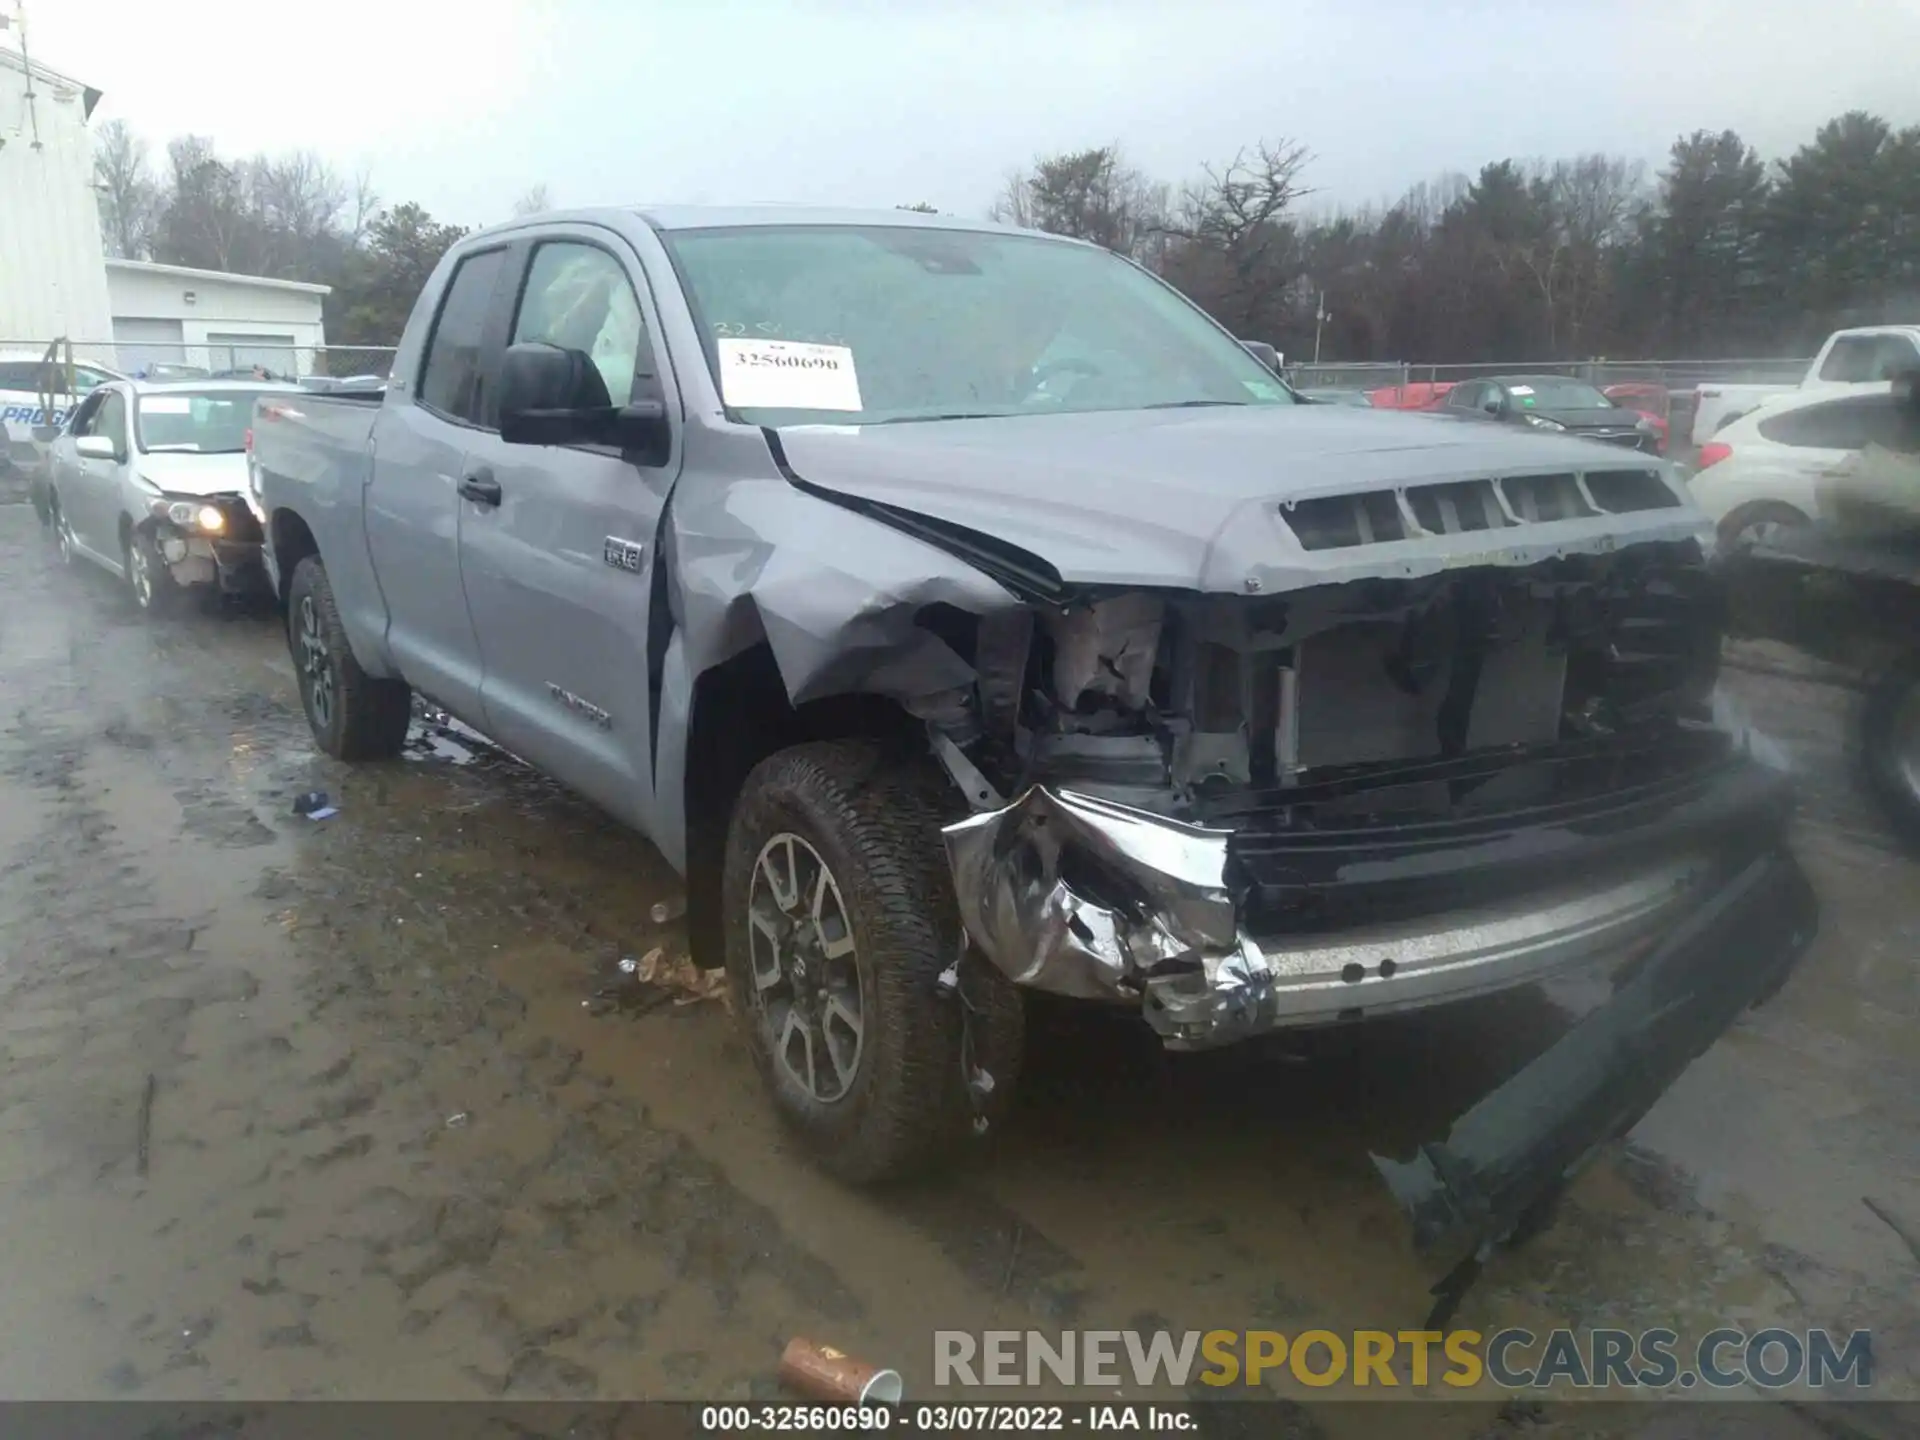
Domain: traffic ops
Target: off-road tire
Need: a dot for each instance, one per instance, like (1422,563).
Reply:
(872,812)
(364,718)
(165,598)
(1891,782)
(1758,512)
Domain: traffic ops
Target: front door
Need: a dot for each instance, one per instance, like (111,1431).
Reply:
(558,571)
(96,486)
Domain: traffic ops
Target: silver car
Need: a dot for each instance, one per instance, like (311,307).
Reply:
(147,482)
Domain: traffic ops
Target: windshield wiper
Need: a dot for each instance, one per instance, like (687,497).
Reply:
(955,415)
(186,449)
(1193,404)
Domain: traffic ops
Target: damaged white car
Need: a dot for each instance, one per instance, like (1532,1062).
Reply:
(967,614)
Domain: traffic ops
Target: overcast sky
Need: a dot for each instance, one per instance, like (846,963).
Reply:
(464,104)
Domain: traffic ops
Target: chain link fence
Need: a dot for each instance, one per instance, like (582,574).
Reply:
(153,360)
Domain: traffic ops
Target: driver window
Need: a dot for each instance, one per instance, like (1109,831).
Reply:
(111,421)
(578,297)
(84,415)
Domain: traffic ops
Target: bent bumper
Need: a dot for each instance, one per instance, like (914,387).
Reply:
(1221,934)
(1522,1140)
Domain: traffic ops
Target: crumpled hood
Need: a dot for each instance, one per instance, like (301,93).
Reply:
(1191,498)
(178,472)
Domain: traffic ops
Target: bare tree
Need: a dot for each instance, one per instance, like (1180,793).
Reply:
(129,198)
(534,201)
(1236,248)
(1088,194)
(363,204)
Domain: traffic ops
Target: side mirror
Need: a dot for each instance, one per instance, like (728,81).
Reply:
(1264,353)
(554,396)
(95,447)
(1493,406)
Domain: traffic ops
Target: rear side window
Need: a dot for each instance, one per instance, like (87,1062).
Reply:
(19,375)
(454,380)
(1849,424)
(1860,359)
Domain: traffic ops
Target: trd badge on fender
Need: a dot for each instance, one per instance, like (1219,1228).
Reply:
(625,554)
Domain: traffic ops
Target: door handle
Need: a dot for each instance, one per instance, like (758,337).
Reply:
(480,487)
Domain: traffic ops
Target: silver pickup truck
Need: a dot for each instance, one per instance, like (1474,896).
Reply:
(966,614)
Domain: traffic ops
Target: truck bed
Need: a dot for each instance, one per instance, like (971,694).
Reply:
(314,439)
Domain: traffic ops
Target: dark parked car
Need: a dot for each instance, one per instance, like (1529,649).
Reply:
(1556,403)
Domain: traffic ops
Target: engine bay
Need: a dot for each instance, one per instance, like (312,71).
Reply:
(1165,701)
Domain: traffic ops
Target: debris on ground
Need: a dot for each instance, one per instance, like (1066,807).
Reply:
(657,979)
(143,1135)
(666,910)
(456,1120)
(315,805)
(821,1372)
(436,735)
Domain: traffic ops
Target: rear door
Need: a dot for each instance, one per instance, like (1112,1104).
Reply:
(420,445)
(559,570)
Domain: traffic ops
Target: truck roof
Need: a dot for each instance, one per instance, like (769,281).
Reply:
(743,217)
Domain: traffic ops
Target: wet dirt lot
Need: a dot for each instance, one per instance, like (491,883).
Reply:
(300,1109)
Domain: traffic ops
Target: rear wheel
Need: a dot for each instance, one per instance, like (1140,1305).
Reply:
(1890,753)
(1759,523)
(840,919)
(353,715)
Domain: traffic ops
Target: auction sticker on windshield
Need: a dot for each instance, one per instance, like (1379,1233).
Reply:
(167,405)
(788,375)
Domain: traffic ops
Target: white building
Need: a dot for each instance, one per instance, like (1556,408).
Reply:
(169,313)
(51,280)
(56,284)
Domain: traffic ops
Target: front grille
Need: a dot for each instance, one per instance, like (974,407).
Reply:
(1378,517)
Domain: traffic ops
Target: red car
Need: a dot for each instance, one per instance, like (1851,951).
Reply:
(1653,401)
(1421,395)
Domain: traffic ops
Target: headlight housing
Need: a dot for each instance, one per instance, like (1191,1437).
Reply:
(1541,422)
(192,515)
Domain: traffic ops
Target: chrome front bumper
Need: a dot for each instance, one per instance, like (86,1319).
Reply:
(1087,898)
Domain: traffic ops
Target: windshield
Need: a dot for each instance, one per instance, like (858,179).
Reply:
(879,324)
(204,422)
(1551,394)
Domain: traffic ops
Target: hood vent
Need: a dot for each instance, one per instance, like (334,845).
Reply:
(1378,517)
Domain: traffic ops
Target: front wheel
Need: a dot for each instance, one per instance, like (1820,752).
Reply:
(840,920)
(151,583)
(1890,752)
(353,715)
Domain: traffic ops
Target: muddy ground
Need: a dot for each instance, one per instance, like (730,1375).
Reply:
(300,1109)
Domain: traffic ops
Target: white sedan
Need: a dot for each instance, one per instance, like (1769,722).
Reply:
(1761,473)
(147,483)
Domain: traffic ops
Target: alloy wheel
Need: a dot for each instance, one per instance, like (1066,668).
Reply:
(140,575)
(316,664)
(806,972)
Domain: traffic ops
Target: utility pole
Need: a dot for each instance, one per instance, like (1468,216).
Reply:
(18,21)
(1320,317)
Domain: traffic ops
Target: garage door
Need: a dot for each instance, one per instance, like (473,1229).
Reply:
(243,352)
(139,343)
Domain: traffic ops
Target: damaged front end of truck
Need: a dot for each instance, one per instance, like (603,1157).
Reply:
(1446,739)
